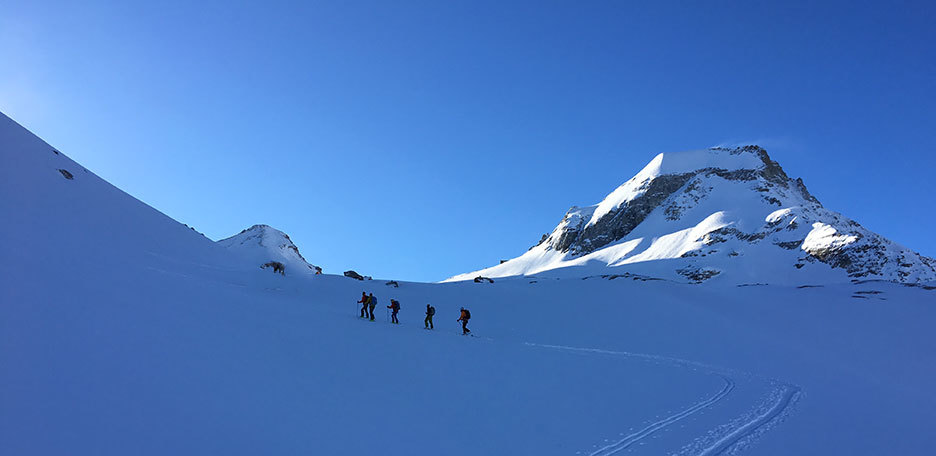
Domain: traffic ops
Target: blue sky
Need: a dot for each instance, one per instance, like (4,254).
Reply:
(417,140)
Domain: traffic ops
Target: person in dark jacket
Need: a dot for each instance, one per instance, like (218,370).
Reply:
(363,303)
(395,307)
(371,303)
(430,311)
(465,316)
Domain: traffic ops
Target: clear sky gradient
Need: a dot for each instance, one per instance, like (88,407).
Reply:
(417,140)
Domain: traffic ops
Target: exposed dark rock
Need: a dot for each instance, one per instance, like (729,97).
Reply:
(718,236)
(736,175)
(542,240)
(480,279)
(919,285)
(621,221)
(392,283)
(196,231)
(802,189)
(698,275)
(276,265)
(789,245)
(569,235)
(627,275)
(353,275)
(713,238)
(67,174)
(857,258)
(692,194)
(772,171)
(773,200)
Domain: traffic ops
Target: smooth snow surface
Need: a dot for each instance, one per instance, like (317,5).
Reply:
(124,332)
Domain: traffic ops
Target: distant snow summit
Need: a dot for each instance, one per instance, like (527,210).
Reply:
(263,244)
(723,214)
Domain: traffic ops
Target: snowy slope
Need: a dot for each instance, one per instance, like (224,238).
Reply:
(260,244)
(58,215)
(728,214)
(147,338)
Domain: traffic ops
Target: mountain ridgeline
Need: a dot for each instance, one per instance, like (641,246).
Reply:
(722,212)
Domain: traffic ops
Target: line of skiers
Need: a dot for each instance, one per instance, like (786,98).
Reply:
(368,302)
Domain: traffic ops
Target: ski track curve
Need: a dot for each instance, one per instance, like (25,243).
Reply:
(626,442)
(786,394)
(738,431)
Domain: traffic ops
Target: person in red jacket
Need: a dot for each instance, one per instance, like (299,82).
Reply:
(363,303)
(395,307)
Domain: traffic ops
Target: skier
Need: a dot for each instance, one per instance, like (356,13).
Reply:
(430,311)
(363,303)
(465,316)
(371,303)
(395,307)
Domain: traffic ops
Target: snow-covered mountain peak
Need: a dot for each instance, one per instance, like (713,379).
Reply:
(675,167)
(730,159)
(257,233)
(263,243)
(729,212)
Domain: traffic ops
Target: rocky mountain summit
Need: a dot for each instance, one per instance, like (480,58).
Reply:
(721,212)
(264,244)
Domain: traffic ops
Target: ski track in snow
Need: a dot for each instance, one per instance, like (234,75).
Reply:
(635,437)
(736,435)
(725,439)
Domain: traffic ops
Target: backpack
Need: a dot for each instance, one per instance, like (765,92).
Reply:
(373,301)
(394,304)
(431,311)
(467,314)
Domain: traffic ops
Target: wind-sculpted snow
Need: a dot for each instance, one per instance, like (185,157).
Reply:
(770,229)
